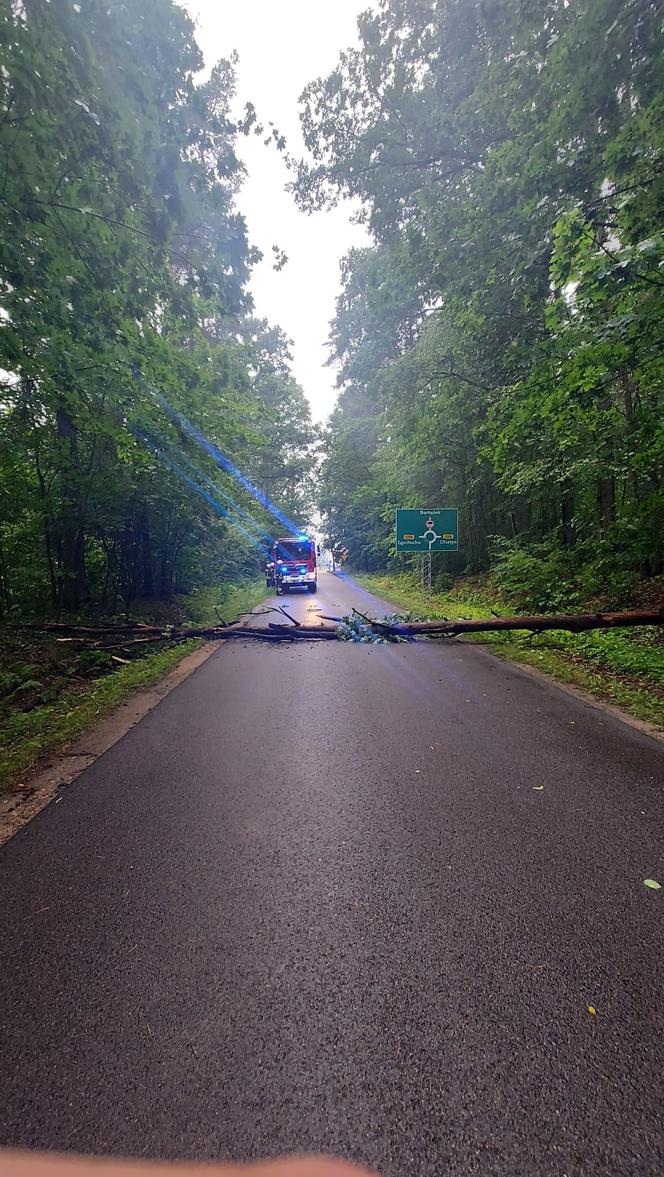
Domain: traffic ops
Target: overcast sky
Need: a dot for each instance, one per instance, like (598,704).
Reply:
(283,44)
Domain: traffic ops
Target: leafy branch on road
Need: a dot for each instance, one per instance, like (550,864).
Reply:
(355,627)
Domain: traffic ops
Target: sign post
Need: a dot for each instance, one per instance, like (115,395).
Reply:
(427,531)
(425,578)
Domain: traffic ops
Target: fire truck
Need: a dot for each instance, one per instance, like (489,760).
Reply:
(293,564)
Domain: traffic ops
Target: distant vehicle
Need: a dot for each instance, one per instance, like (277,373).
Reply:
(293,564)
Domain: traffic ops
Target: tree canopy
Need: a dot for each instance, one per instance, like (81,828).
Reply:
(500,342)
(124,265)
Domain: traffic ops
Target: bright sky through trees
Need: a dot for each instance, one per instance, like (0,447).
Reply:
(282,46)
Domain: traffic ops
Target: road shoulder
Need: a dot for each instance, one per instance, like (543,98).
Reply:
(632,699)
(59,770)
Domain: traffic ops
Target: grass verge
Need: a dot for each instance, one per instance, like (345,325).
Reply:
(207,605)
(53,692)
(624,667)
(27,735)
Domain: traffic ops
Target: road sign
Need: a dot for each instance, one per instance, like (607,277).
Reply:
(428,530)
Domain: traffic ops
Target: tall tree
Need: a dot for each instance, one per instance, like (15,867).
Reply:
(123,268)
(507,323)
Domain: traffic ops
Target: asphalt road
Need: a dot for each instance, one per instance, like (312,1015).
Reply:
(319,900)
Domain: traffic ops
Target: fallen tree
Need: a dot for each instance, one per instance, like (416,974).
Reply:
(133,637)
(536,623)
(128,635)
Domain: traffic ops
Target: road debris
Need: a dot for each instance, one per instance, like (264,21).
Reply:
(354,627)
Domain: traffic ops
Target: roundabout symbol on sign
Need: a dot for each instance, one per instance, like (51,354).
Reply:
(440,529)
(430,535)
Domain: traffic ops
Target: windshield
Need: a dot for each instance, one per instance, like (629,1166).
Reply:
(293,551)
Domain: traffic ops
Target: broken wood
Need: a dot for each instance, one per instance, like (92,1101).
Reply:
(538,623)
(109,627)
(126,644)
(128,636)
(301,631)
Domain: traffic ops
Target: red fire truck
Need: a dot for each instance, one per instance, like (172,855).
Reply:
(293,564)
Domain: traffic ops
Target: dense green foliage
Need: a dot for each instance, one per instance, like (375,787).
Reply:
(500,344)
(123,270)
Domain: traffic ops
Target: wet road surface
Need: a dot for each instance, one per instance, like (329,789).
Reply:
(318,899)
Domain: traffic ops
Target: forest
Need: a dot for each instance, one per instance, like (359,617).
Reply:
(500,342)
(141,401)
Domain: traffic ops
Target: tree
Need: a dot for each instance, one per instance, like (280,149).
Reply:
(123,280)
(506,324)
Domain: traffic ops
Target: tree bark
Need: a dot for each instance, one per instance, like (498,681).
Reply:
(4,584)
(47,525)
(606,502)
(135,633)
(567,536)
(72,537)
(147,577)
(575,623)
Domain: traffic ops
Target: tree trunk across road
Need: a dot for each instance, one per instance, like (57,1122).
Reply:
(536,623)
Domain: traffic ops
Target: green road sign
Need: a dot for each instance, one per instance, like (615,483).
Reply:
(428,531)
